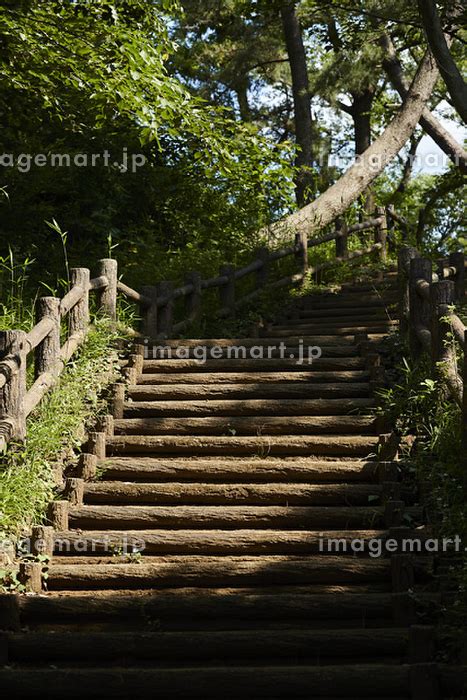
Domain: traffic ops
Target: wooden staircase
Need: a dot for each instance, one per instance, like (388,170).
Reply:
(233,474)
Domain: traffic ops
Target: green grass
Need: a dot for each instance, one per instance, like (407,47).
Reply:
(26,472)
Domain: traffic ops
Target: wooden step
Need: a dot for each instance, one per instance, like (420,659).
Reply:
(256,391)
(270,351)
(223,606)
(109,492)
(285,364)
(225,517)
(259,446)
(220,571)
(251,425)
(357,311)
(346,297)
(337,331)
(345,323)
(239,470)
(248,407)
(236,345)
(163,542)
(310,375)
(368,681)
(122,648)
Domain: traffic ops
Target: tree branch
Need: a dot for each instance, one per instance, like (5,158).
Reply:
(428,121)
(361,174)
(440,49)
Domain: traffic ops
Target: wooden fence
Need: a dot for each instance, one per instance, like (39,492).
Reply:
(157,302)
(428,318)
(157,310)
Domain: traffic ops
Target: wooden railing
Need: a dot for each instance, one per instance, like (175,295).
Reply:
(157,310)
(157,302)
(49,359)
(427,314)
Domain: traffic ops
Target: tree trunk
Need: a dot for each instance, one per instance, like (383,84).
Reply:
(241,90)
(362,120)
(428,121)
(301,97)
(361,114)
(447,67)
(361,174)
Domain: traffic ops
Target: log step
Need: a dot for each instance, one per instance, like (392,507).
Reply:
(310,375)
(359,312)
(240,470)
(95,543)
(336,445)
(368,681)
(335,301)
(252,391)
(120,648)
(338,323)
(236,345)
(285,364)
(248,407)
(221,606)
(226,517)
(240,425)
(374,334)
(110,492)
(338,331)
(219,571)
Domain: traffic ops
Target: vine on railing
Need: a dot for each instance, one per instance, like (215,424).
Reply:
(157,310)
(427,315)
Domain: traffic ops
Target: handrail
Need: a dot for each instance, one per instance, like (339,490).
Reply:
(43,339)
(426,304)
(70,300)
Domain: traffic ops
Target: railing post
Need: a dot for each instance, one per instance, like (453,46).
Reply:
(391,228)
(79,314)
(107,297)
(441,296)
(420,311)
(381,232)
(457,260)
(47,353)
(12,416)
(165,322)
(406,254)
(150,313)
(342,239)
(227,291)
(263,272)
(193,300)
(301,241)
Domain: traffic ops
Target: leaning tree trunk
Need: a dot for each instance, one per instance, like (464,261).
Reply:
(361,174)
(301,97)
(428,121)
(447,67)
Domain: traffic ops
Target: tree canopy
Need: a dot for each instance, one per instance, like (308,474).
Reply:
(212,115)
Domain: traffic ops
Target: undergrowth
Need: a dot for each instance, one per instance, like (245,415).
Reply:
(26,471)
(419,407)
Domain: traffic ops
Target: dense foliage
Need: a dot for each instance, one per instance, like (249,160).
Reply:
(203,93)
